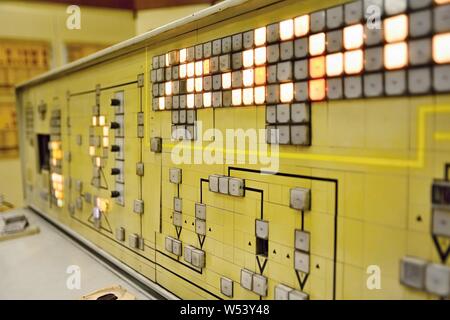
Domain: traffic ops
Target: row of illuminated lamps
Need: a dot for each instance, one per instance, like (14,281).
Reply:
(100,121)
(57,179)
(350,62)
(396,29)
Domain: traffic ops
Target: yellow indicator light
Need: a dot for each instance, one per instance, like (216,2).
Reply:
(317,67)
(286,92)
(94,121)
(190,85)
(105,142)
(105,131)
(237,97)
(260,36)
(248,96)
(335,64)
(169,88)
(442,1)
(396,55)
(190,69)
(353,37)
(248,77)
(396,28)
(354,61)
(226,80)
(198,84)
(260,95)
(207,99)
(206,66)
(60,203)
(98,162)
(198,68)
(167,60)
(183,71)
(182,55)
(441,48)
(162,103)
(260,75)
(260,56)
(317,44)
(91,151)
(101,121)
(301,26)
(287,29)
(190,101)
(317,90)
(247,58)
(59,194)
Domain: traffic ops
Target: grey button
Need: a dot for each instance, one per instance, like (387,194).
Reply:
(374,59)
(420,52)
(271,114)
(217,47)
(287,50)
(183,101)
(190,54)
(284,71)
(335,90)
(300,135)
(373,85)
(273,53)
(301,69)
(300,113)
(217,99)
(395,83)
(224,62)
(168,72)
(273,33)
(334,41)
(226,98)
(419,81)
(284,135)
(175,102)
(418,4)
(248,39)
(353,87)
(353,12)
(420,23)
(392,7)
(442,18)
(214,64)
(301,48)
(175,72)
(283,113)
(217,82)
(207,83)
(237,42)
(175,117)
(373,36)
(441,80)
(317,20)
(236,79)
(237,60)
(272,73)
(226,45)
(335,17)
(207,49)
(155,62)
(273,94)
(199,52)
(301,91)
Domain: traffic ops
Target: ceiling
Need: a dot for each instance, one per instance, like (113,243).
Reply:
(131,4)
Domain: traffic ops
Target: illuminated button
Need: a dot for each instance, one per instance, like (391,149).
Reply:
(301,47)
(206,68)
(248,58)
(198,84)
(395,83)
(287,29)
(260,56)
(273,53)
(217,99)
(353,37)
(190,54)
(420,52)
(199,68)
(167,60)
(441,48)
(247,96)
(224,62)
(354,61)
(199,52)
(317,90)
(260,95)
(353,12)
(441,78)
(373,85)
(248,77)
(273,94)
(317,67)
(217,47)
(207,49)
(237,61)
(317,44)
(287,50)
(226,98)
(271,114)
(420,23)
(334,89)
(335,64)
(190,101)
(284,71)
(226,80)
(334,41)
(301,91)
(183,71)
(335,17)
(259,36)
(214,64)
(283,113)
(182,55)
(226,45)
(260,75)
(272,73)
(301,26)
(374,59)
(236,79)
(419,81)
(273,33)
(207,99)
(301,70)
(237,97)
(353,87)
(373,36)
(237,42)
(392,7)
(396,56)
(207,83)
(248,39)
(190,85)
(442,18)
(286,92)
(169,88)
(191,69)
(162,103)
(317,21)
(396,28)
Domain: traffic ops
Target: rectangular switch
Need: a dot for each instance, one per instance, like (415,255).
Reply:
(175,175)
(260,285)
(412,272)
(236,187)
(198,258)
(302,240)
(177,247)
(246,279)
(262,229)
(300,199)
(223,184)
(200,211)
(282,292)
(177,204)
(138,206)
(200,227)
(301,261)
(177,219)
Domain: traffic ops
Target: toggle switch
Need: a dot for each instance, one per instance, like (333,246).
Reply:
(115,102)
(115,125)
(115,194)
(115,171)
(115,148)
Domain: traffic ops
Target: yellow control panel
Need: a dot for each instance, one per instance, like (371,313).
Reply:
(285,150)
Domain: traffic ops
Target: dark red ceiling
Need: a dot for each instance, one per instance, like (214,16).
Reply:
(131,4)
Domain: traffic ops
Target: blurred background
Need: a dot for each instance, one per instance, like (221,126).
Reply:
(34,39)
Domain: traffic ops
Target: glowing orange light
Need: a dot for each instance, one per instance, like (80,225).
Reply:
(190,85)
(198,84)
(162,103)
(191,69)
(198,68)
(190,101)
(260,75)
(168,88)
(396,56)
(317,90)
(317,67)
(206,66)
